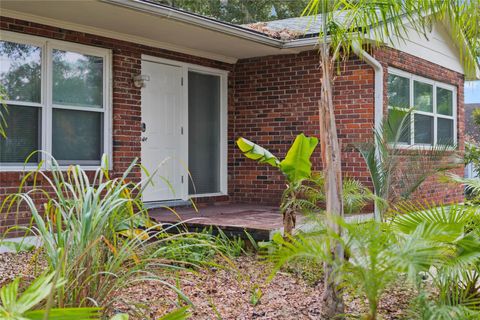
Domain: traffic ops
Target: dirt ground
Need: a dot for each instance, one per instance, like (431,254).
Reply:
(231,292)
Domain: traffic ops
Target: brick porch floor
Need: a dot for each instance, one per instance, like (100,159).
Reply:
(233,219)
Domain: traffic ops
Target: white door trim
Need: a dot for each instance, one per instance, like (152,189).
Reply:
(223,74)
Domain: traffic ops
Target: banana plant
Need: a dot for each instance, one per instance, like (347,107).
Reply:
(296,167)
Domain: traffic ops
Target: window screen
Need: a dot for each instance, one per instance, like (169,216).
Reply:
(77,136)
(204,133)
(20,78)
(23,126)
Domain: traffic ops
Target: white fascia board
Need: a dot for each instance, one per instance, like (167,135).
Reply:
(307,43)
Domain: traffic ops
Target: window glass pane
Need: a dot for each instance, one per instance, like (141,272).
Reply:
(398,91)
(423,96)
(77,136)
(77,79)
(23,127)
(20,71)
(423,129)
(204,133)
(445,131)
(396,119)
(444,101)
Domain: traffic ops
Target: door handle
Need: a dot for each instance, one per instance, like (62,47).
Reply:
(144,127)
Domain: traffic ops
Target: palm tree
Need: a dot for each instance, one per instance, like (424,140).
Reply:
(456,275)
(386,162)
(439,243)
(361,22)
(378,253)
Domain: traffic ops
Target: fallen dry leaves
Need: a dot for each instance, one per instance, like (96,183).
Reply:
(226,292)
(25,264)
(283,34)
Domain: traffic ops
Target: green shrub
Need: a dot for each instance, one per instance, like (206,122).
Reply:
(439,243)
(98,236)
(355,195)
(196,249)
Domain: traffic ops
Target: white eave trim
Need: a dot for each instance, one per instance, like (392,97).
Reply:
(301,43)
(115,35)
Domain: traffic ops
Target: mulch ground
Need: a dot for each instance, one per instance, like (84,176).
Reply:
(25,264)
(228,293)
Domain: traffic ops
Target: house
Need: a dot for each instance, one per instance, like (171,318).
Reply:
(472,134)
(134,79)
(472,131)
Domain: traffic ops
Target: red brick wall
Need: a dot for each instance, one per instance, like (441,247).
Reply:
(126,62)
(431,191)
(276,98)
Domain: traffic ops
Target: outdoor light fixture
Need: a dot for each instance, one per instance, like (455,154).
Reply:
(140,80)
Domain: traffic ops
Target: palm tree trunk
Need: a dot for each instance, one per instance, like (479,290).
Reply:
(332,296)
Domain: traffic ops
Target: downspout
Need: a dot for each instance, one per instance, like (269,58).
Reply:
(378,102)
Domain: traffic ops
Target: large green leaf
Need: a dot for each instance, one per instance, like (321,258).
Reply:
(296,165)
(65,314)
(255,152)
(120,316)
(179,314)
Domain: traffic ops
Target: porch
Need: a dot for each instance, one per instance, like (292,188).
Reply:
(234,219)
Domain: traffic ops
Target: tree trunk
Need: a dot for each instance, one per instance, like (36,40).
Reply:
(332,296)
(289,220)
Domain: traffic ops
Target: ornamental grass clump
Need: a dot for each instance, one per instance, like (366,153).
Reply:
(97,234)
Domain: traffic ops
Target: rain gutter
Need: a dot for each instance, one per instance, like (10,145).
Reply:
(378,100)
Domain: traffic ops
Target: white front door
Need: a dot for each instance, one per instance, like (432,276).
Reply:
(162,137)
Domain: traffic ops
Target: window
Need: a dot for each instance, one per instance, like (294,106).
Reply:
(433,120)
(58,101)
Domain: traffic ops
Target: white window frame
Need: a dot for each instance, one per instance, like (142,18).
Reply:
(223,74)
(434,114)
(46,104)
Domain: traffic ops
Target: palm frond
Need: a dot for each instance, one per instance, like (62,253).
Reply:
(452,218)
(15,306)
(431,310)
(471,184)
(3,112)
(390,21)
